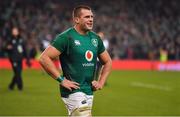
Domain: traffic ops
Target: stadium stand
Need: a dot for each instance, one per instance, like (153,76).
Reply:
(135,29)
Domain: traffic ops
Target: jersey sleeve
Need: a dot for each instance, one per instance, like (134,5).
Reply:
(60,42)
(101,47)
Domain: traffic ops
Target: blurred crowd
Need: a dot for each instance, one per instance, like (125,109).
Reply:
(134,29)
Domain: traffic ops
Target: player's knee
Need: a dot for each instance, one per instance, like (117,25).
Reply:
(82,111)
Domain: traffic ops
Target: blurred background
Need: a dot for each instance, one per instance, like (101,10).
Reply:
(142,37)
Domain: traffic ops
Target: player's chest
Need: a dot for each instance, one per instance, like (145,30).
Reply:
(82,45)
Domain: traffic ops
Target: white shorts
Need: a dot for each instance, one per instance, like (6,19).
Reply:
(77,100)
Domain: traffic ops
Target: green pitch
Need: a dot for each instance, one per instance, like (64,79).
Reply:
(126,93)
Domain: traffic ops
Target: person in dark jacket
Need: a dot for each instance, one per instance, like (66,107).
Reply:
(16,49)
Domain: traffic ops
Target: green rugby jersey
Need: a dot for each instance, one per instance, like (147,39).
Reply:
(78,58)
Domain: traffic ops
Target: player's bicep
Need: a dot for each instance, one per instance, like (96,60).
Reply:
(104,57)
(51,52)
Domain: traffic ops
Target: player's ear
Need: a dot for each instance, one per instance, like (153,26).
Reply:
(76,20)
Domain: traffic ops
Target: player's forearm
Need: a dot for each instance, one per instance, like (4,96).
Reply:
(105,72)
(49,66)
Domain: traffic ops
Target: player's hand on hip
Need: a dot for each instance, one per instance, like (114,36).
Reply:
(70,84)
(96,85)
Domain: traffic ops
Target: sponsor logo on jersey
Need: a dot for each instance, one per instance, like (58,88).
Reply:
(89,55)
(88,64)
(94,42)
(77,42)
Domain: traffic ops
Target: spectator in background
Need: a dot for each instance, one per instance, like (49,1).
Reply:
(163,54)
(105,40)
(16,49)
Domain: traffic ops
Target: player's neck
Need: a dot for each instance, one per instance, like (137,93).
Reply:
(80,31)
